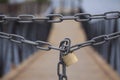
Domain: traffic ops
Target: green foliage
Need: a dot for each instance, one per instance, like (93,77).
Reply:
(3,1)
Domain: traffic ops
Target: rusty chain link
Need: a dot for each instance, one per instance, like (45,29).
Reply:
(59,17)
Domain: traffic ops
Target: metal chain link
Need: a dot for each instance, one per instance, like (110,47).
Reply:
(61,68)
(65,45)
(96,41)
(20,40)
(59,17)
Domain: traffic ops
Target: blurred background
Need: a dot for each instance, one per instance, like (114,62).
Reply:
(11,55)
(15,7)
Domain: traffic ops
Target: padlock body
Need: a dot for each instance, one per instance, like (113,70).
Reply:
(70,59)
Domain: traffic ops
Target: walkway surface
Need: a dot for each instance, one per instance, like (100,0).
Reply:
(43,65)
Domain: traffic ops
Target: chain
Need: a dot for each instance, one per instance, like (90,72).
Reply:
(20,40)
(65,45)
(61,68)
(96,41)
(59,18)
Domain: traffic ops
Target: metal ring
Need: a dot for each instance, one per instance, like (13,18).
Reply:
(79,19)
(41,43)
(65,44)
(12,18)
(60,64)
(99,40)
(40,19)
(116,16)
(59,16)
(26,18)
(4,35)
(16,38)
(99,16)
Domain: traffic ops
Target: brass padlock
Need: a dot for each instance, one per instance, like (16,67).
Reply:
(70,59)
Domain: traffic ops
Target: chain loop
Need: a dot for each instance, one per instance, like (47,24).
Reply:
(26,18)
(99,40)
(68,18)
(113,36)
(61,68)
(29,42)
(16,38)
(112,15)
(40,43)
(78,46)
(4,35)
(20,40)
(79,17)
(100,16)
(65,45)
(55,48)
(11,18)
(37,19)
(96,41)
(58,16)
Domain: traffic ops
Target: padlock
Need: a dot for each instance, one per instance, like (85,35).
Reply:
(70,59)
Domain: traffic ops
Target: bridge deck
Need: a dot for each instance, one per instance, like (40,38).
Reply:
(43,65)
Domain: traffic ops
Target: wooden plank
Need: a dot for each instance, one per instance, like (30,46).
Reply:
(103,65)
(19,69)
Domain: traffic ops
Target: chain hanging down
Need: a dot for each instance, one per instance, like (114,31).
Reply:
(59,18)
(61,68)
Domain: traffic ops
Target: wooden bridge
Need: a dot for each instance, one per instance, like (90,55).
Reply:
(43,64)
